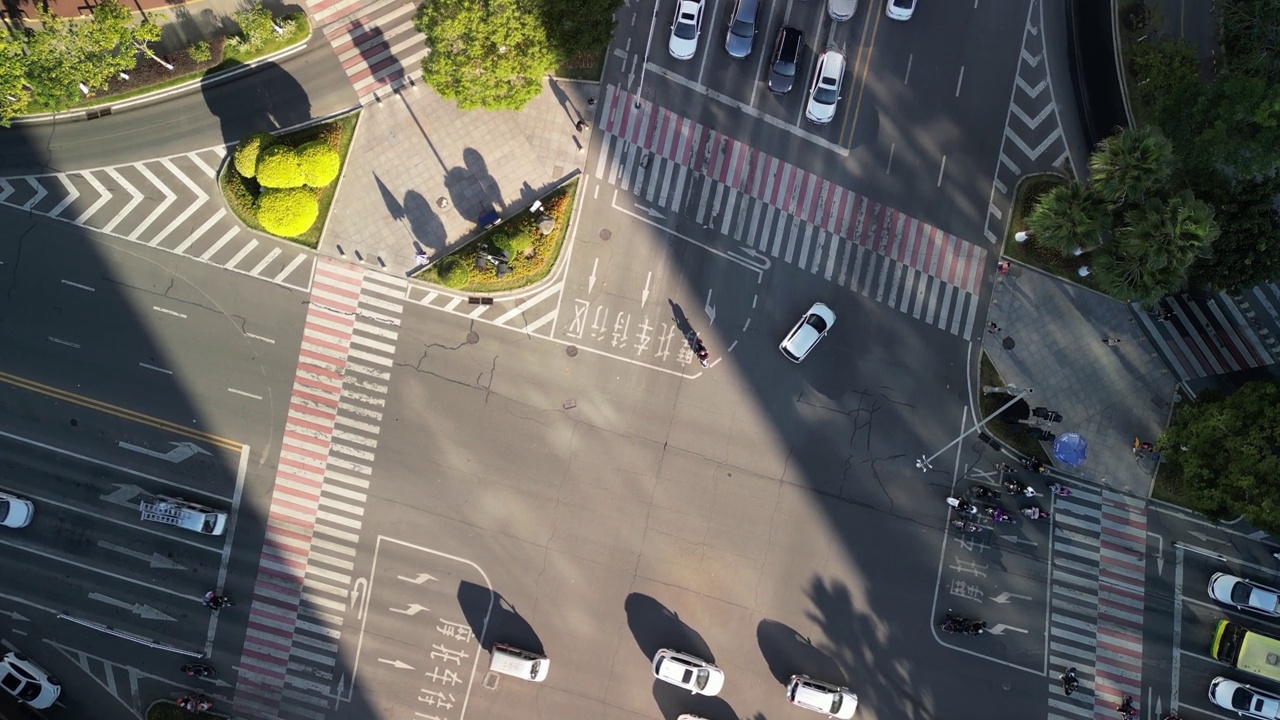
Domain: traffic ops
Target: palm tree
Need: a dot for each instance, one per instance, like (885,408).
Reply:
(1153,248)
(1068,217)
(1129,165)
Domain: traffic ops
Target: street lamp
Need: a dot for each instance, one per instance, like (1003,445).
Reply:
(644,65)
(923,462)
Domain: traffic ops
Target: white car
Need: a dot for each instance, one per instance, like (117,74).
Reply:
(841,10)
(15,512)
(830,700)
(825,93)
(900,9)
(28,682)
(1244,700)
(1238,592)
(685,29)
(683,670)
(813,326)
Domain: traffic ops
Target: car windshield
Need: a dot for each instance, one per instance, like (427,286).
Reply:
(1240,593)
(700,681)
(4,510)
(684,28)
(837,699)
(11,683)
(1240,699)
(825,94)
(904,4)
(784,68)
(817,323)
(742,28)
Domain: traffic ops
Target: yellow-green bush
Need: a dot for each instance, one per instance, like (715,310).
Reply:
(248,150)
(453,272)
(319,163)
(287,212)
(278,167)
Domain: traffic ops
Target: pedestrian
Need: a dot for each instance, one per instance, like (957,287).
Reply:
(591,101)
(581,125)
(1003,267)
(993,328)
(423,258)
(1111,340)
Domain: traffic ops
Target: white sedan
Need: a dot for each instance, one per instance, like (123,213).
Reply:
(1244,700)
(685,28)
(830,700)
(813,326)
(28,682)
(1244,594)
(15,512)
(900,9)
(683,670)
(825,93)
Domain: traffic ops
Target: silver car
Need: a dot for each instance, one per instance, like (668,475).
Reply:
(825,93)
(15,512)
(813,326)
(841,10)
(28,682)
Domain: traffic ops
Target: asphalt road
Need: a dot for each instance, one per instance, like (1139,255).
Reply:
(300,87)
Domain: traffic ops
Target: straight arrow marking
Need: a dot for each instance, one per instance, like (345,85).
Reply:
(155,559)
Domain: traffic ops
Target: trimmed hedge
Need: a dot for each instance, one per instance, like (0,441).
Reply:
(453,272)
(287,212)
(278,167)
(249,149)
(319,163)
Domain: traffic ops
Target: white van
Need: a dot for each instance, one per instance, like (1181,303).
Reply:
(519,663)
(184,514)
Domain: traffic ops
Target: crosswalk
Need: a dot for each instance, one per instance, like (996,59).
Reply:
(790,214)
(1215,334)
(289,667)
(169,203)
(376,42)
(532,313)
(1096,579)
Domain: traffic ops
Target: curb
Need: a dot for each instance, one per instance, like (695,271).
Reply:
(1120,73)
(217,78)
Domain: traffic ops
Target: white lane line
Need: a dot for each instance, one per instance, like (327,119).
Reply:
(243,251)
(908,75)
(218,245)
(168,312)
(293,264)
(942,170)
(259,337)
(103,197)
(64,342)
(128,208)
(265,261)
(961,80)
(169,197)
(157,369)
(889,164)
(246,394)
(78,285)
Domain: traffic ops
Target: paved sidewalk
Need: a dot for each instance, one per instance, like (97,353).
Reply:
(421,171)
(1108,394)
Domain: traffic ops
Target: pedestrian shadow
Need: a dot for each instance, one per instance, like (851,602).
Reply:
(471,188)
(566,103)
(424,224)
(680,320)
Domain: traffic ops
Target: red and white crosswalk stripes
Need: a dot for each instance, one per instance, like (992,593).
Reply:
(1097,592)
(797,192)
(376,42)
(317,504)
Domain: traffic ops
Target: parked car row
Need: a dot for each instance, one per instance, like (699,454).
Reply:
(1244,700)
(702,678)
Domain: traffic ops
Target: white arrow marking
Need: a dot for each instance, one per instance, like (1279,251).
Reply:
(644,296)
(1015,539)
(999,629)
(28,602)
(144,611)
(1257,535)
(421,578)
(1003,598)
(180,452)
(137,198)
(396,664)
(155,559)
(414,609)
(356,592)
(757,260)
(591,279)
(123,495)
(15,616)
(653,213)
(710,309)
(169,197)
(1206,537)
(72,194)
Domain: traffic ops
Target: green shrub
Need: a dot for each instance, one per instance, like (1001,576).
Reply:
(453,272)
(515,242)
(278,168)
(319,163)
(240,193)
(257,27)
(248,151)
(200,52)
(287,212)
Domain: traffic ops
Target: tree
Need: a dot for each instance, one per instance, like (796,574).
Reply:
(490,55)
(1248,250)
(1221,454)
(14,94)
(1131,164)
(1068,217)
(578,27)
(257,26)
(1153,247)
(62,55)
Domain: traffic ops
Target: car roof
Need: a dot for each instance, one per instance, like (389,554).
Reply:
(832,62)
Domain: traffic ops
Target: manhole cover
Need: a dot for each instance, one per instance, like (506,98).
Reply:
(605,233)
(569,404)
(1008,343)
(571,351)
(473,337)
(490,681)
(442,202)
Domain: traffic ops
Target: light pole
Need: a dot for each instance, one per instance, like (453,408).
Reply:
(644,64)
(923,462)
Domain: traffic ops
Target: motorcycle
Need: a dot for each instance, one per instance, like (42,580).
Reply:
(1127,710)
(701,351)
(213,601)
(1059,489)
(195,703)
(965,526)
(962,506)
(1035,513)
(1069,681)
(1035,466)
(1017,487)
(196,670)
(1000,516)
(962,625)
(984,493)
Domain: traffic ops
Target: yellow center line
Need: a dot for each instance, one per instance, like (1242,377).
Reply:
(851,123)
(122,413)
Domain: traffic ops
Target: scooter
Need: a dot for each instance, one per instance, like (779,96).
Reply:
(196,670)
(962,506)
(1016,486)
(701,351)
(981,492)
(1001,516)
(1035,513)
(962,625)
(1069,681)
(1059,489)
(213,601)
(965,526)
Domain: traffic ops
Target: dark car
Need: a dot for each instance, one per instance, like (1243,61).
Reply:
(743,25)
(786,60)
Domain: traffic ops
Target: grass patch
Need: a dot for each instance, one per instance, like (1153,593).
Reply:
(149,77)
(1032,253)
(1014,436)
(458,271)
(241,192)
(170,711)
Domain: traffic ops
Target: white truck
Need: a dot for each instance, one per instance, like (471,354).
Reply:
(184,514)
